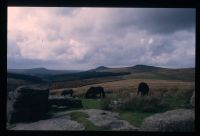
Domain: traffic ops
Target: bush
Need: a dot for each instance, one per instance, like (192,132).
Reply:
(144,104)
(179,99)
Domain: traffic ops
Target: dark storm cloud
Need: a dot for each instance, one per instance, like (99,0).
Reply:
(169,20)
(155,20)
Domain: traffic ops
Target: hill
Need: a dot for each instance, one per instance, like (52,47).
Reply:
(136,68)
(133,72)
(100,69)
(15,80)
(152,72)
(85,75)
(40,72)
(29,78)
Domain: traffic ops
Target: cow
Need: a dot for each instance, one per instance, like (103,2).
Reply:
(94,91)
(66,92)
(143,88)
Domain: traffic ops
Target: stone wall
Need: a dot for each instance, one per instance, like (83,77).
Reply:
(65,101)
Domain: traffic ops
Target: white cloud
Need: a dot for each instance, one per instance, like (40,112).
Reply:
(150,41)
(89,37)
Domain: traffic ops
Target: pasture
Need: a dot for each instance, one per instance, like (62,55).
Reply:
(129,87)
(164,95)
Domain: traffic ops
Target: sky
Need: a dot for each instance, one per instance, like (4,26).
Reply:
(85,38)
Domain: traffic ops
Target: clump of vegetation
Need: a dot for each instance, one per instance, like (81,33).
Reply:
(144,104)
(159,100)
(179,98)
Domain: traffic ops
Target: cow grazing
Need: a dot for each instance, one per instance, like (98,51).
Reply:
(143,88)
(67,92)
(94,91)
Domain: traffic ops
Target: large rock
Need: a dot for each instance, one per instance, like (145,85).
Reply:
(29,103)
(69,102)
(180,120)
(109,120)
(59,123)
(192,100)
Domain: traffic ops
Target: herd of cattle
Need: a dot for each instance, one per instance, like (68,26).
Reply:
(95,92)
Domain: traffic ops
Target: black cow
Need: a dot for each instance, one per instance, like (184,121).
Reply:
(93,91)
(66,92)
(143,88)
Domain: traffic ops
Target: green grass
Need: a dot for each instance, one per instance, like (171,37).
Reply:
(135,113)
(135,118)
(91,103)
(81,118)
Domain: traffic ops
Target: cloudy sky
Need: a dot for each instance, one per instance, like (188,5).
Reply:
(84,38)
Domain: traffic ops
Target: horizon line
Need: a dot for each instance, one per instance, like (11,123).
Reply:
(102,66)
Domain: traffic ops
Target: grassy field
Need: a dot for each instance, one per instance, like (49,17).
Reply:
(130,86)
(164,95)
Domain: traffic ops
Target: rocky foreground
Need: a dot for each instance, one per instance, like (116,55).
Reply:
(30,104)
(63,121)
(180,120)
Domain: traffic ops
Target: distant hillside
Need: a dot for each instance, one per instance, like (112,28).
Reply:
(40,72)
(151,72)
(136,68)
(100,69)
(134,72)
(144,68)
(29,78)
(85,75)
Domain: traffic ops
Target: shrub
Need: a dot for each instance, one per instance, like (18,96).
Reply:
(144,104)
(179,99)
